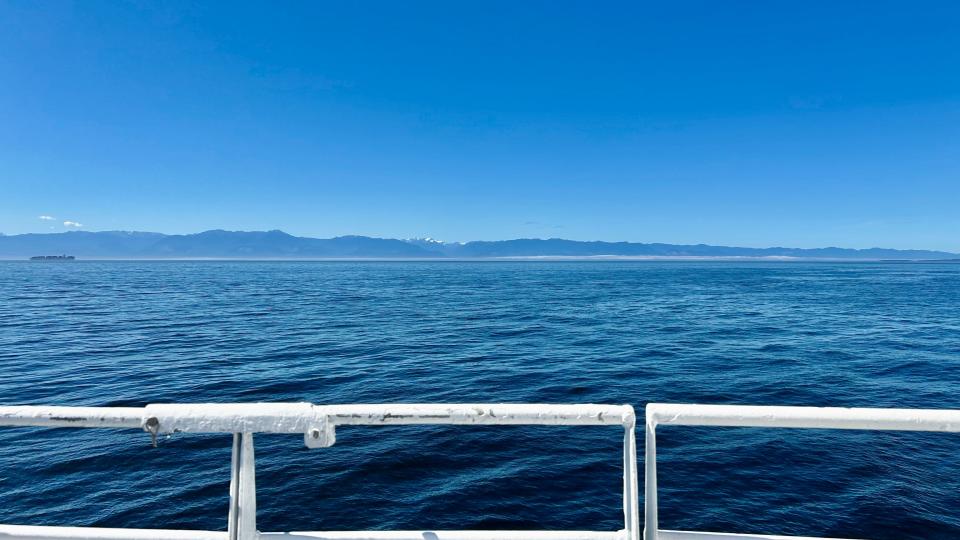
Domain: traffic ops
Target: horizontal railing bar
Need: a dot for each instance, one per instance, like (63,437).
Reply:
(35,532)
(519,414)
(479,413)
(945,420)
(42,416)
(233,417)
(694,535)
(30,532)
(445,535)
(295,417)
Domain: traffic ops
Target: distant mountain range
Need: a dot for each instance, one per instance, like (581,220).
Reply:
(278,244)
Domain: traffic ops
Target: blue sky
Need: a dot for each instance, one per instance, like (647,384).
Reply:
(741,123)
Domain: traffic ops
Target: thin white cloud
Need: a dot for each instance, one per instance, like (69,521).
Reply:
(72,224)
(47,218)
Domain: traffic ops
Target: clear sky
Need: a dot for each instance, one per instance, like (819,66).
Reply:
(742,123)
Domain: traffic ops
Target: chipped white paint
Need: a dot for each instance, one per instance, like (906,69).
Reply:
(232,417)
(480,413)
(295,417)
(317,424)
(107,417)
(302,418)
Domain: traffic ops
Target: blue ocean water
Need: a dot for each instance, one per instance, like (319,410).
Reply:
(132,333)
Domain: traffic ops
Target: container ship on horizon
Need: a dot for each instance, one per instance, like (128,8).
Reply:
(53,258)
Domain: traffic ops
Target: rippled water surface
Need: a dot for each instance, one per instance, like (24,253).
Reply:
(129,333)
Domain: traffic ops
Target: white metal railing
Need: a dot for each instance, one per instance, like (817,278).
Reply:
(317,424)
(770,417)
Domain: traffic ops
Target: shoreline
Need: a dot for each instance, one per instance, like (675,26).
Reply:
(531,258)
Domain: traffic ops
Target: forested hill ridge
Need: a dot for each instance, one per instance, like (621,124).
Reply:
(278,244)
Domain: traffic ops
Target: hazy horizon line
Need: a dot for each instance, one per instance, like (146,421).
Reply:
(430,239)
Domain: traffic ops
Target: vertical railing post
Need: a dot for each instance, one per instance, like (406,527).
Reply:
(242,520)
(650,524)
(631,512)
(234,488)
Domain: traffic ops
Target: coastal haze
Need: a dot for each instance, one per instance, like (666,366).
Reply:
(220,244)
